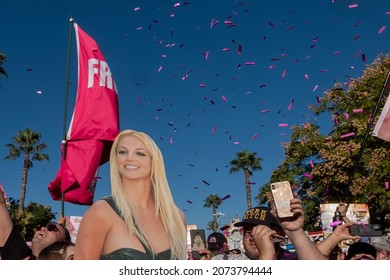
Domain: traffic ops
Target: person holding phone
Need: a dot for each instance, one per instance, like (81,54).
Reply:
(263,233)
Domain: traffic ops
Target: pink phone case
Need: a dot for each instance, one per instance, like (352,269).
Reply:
(282,194)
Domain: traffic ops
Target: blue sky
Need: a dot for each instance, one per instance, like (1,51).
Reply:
(205,79)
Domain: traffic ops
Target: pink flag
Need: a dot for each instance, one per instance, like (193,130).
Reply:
(93,128)
(382,127)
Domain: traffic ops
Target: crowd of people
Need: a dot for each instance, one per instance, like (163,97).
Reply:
(140,221)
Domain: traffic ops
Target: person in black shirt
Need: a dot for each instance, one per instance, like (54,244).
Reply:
(12,244)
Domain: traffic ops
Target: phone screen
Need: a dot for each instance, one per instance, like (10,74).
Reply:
(198,242)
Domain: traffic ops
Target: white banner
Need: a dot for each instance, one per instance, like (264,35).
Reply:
(183,270)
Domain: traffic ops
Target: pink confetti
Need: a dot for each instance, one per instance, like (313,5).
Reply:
(265,111)
(357,110)
(171,140)
(295,187)
(224,98)
(381,30)
(353,6)
(357,53)
(347,116)
(311,164)
(255,136)
(213,23)
(308,176)
(386,185)
(315,88)
(356,37)
(306,77)
(202,85)
(250,63)
(214,129)
(284,73)
(290,105)
(337,52)
(159,69)
(236,143)
(39,92)
(226,50)
(335,223)
(283,124)
(137,9)
(207,55)
(347,135)
(239,49)
(271,67)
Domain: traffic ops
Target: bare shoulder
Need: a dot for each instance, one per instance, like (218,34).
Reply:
(99,211)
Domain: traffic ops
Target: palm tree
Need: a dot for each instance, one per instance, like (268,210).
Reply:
(3,58)
(248,162)
(26,142)
(213,201)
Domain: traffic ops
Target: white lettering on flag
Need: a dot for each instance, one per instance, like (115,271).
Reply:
(101,68)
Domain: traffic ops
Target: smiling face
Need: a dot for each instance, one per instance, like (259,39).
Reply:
(133,159)
(48,235)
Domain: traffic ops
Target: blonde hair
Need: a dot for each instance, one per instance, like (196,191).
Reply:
(164,204)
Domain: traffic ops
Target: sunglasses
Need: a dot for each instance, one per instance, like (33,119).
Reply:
(50,227)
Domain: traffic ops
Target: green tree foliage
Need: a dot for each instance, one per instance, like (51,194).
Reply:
(213,201)
(26,142)
(248,162)
(336,167)
(28,222)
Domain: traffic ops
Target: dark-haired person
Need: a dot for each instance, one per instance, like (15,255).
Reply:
(263,232)
(12,244)
(59,250)
(361,251)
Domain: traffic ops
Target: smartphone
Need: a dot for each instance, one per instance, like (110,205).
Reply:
(198,242)
(366,230)
(282,194)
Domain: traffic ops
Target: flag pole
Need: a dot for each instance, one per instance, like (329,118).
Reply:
(66,107)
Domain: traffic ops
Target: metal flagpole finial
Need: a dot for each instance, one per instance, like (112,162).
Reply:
(71,19)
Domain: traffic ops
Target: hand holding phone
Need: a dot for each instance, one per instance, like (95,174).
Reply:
(282,195)
(198,242)
(366,230)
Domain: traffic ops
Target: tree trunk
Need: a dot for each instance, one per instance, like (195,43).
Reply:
(248,188)
(214,219)
(24,183)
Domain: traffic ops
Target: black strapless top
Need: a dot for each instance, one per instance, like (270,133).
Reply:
(130,253)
